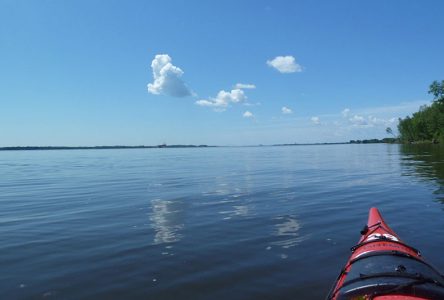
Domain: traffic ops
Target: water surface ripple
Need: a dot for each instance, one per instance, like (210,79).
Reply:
(207,223)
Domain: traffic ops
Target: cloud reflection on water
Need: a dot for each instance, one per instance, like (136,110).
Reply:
(238,210)
(167,219)
(287,232)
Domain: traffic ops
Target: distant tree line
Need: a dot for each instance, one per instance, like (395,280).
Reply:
(426,125)
(374,141)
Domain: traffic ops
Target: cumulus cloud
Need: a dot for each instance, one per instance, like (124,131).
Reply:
(285,64)
(223,99)
(315,120)
(167,78)
(247,114)
(286,110)
(244,86)
(345,112)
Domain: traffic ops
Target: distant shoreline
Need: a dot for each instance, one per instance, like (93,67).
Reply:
(22,148)
(99,147)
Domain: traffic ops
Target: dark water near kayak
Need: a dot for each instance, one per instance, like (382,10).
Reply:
(215,223)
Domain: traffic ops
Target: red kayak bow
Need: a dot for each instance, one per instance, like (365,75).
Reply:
(383,267)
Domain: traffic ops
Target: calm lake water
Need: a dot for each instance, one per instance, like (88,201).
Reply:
(206,223)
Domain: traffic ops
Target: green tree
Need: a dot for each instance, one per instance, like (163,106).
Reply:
(427,124)
(437,90)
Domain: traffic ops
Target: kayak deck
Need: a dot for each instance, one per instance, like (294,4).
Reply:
(383,267)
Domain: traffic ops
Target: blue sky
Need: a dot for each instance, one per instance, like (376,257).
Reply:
(77,72)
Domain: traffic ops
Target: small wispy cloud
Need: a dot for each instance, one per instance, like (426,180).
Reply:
(345,112)
(286,111)
(370,121)
(223,99)
(244,86)
(248,114)
(167,78)
(401,109)
(315,120)
(251,104)
(285,64)
(358,120)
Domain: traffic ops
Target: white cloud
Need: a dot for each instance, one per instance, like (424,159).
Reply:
(315,120)
(376,121)
(345,112)
(370,121)
(244,86)
(247,114)
(392,120)
(167,78)
(223,99)
(286,110)
(285,64)
(358,120)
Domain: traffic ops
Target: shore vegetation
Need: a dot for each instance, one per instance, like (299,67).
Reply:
(427,124)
